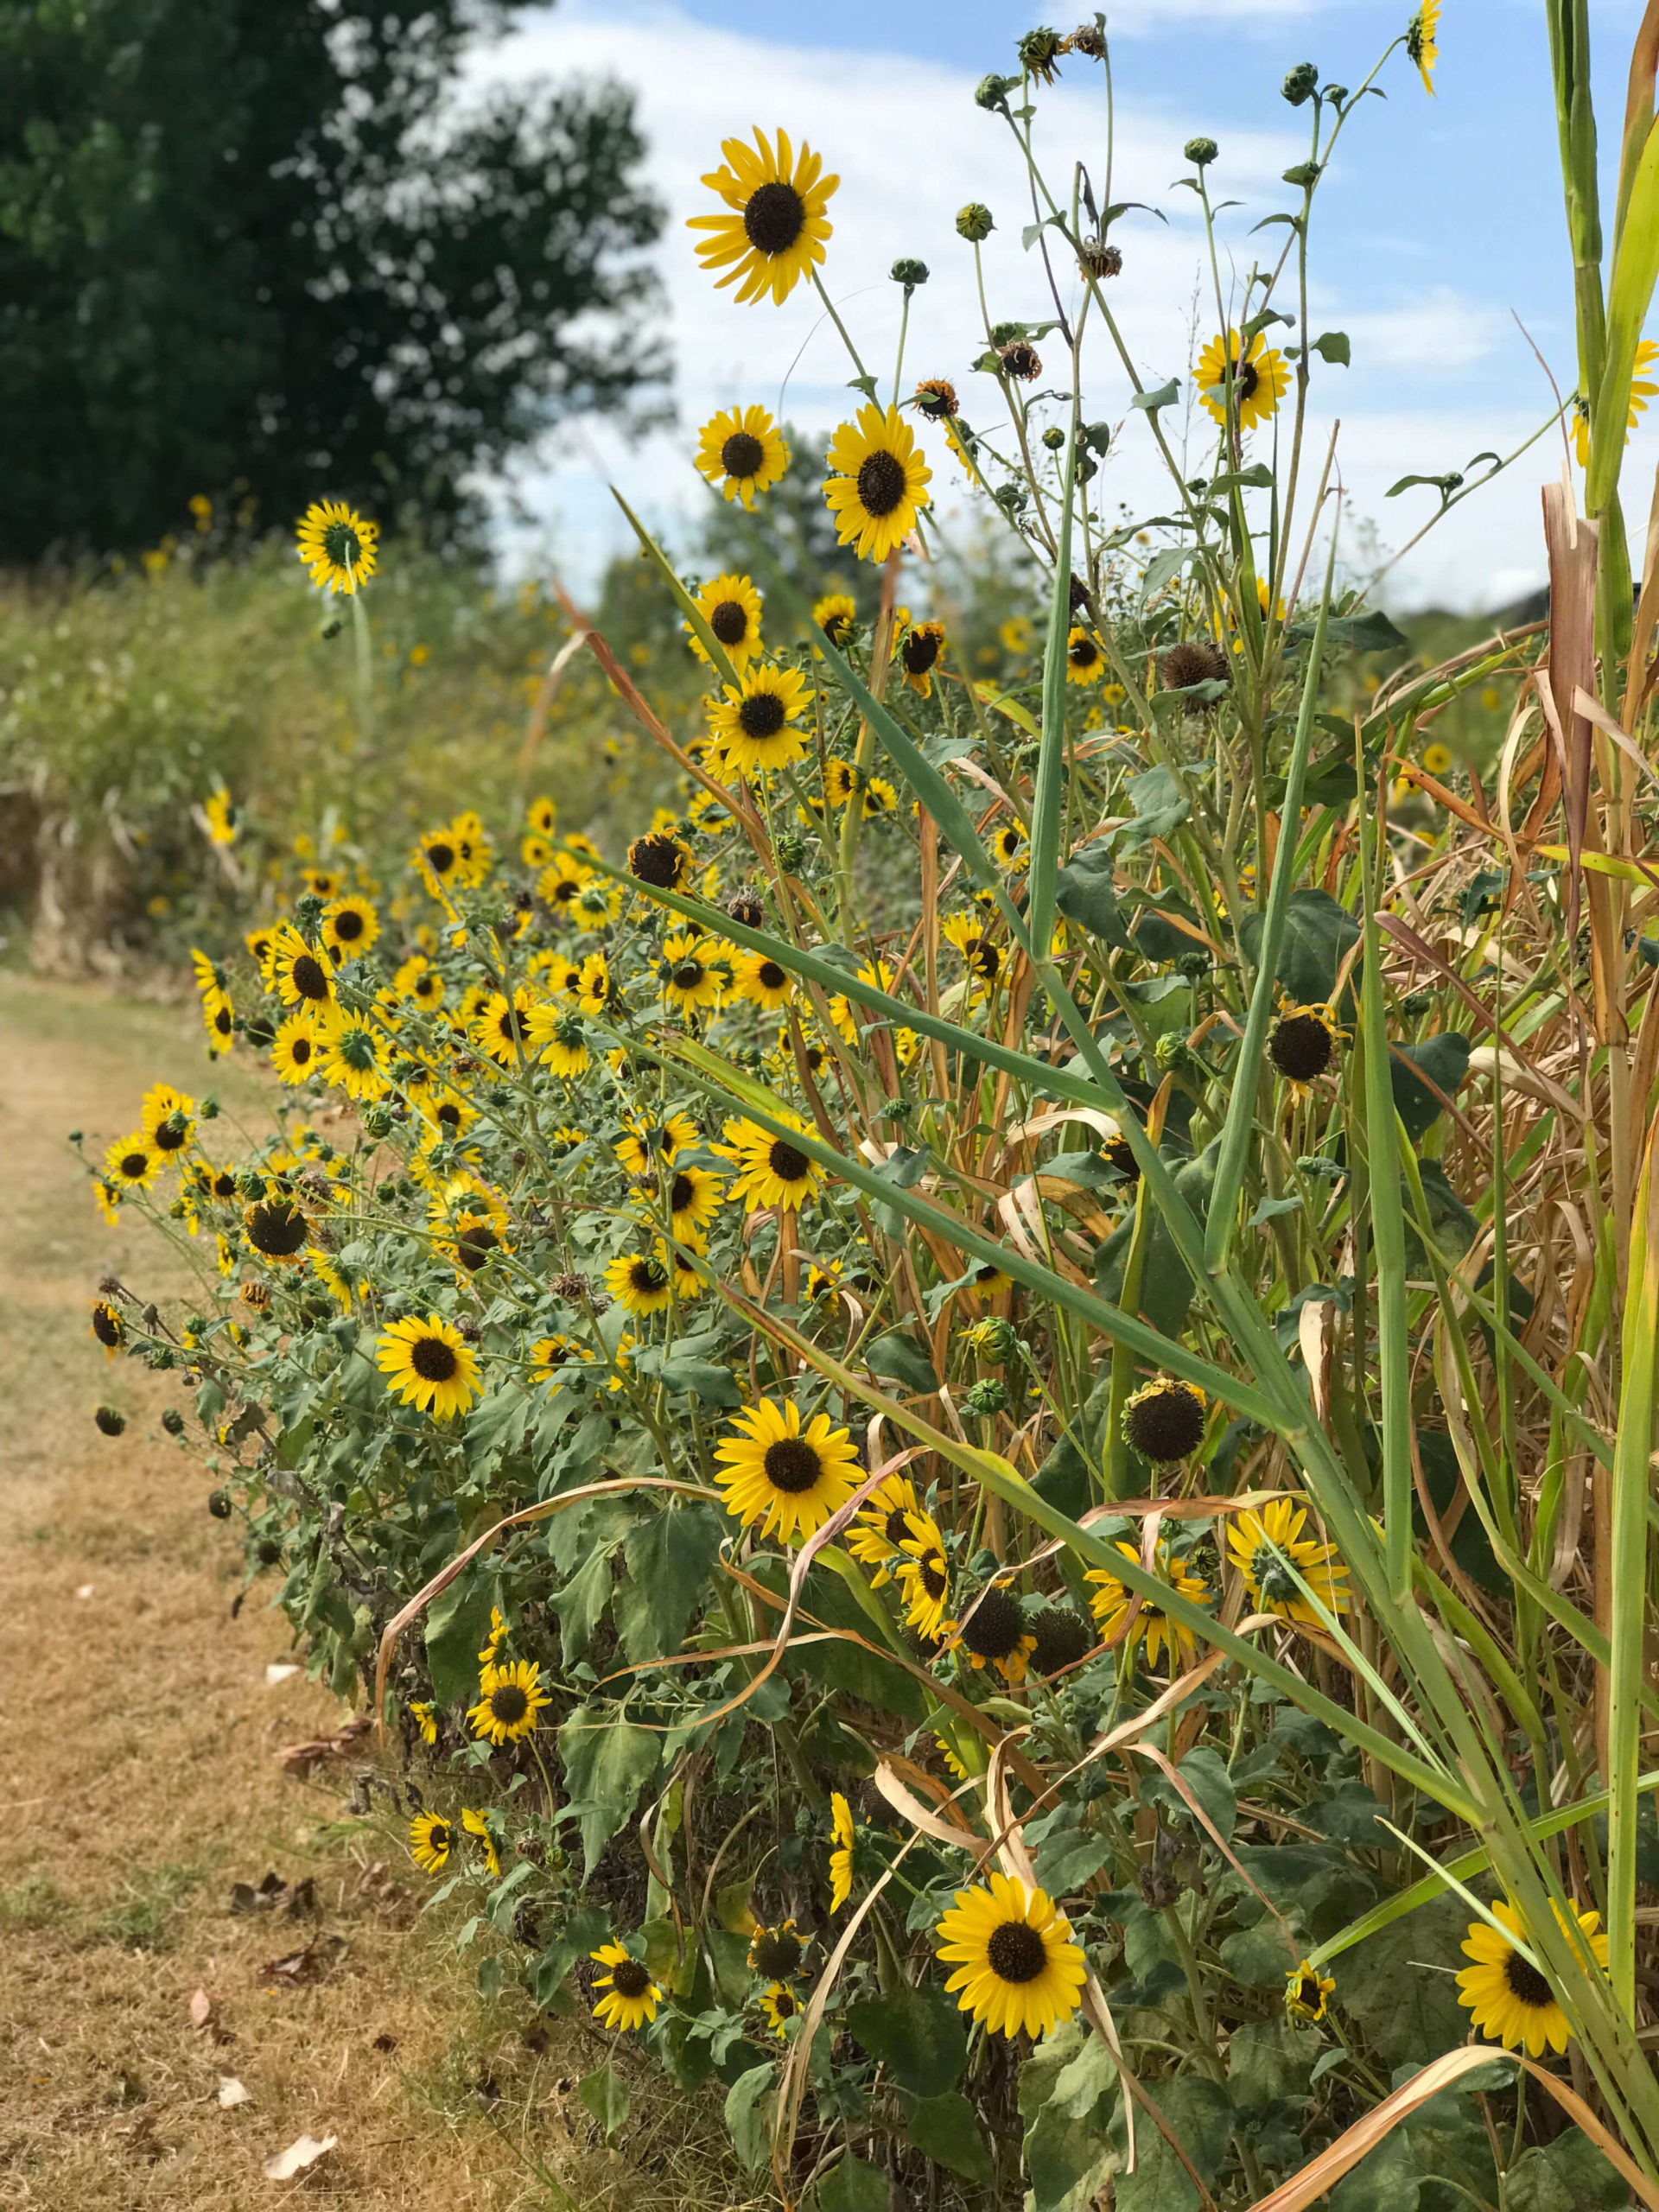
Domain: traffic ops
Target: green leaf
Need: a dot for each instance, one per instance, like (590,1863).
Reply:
(919,2034)
(946,2130)
(709,1384)
(586,1930)
(1166,396)
(1066,2096)
(1370,632)
(1318,935)
(1160,807)
(749,2103)
(1444,1060)
(456,1626)
(853,2186)
(1066,1861)
(602,2093)
(1569,2175)
(581,1604)
(1085,892)
(1164,567)
(1390,1985)
(1389,2180)
(1268,2060)
(669,1559)
(1200,2115)
(901,1359)
(1333,346)
(607,1763)
(1204,1772)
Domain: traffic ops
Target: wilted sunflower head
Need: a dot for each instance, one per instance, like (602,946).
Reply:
(659,859)
(1194,661)
(1164,1420)
(936,397)
(1303,1044)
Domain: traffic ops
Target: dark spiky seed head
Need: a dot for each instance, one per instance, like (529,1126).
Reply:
(109,1420)
(1301,1047)
(748,909)
(1022,360)
(778,1953)
(936,397)
(1096,258)
(1089,39)
(1164,1421)
(995,1625)
(1063,1636)
(1194,661)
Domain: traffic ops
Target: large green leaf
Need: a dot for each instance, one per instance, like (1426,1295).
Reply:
(607,1763)
(669,1559)
(854,2185)
(919,2034)
(457,1625)
(1569,2175)
(946,2130)
(606,2097)
(749,2103)
(581,1604)
(1391,1987)
(1318,936)
(1200,2116)
(1066,2090)
(1444,1060)
(1085,892)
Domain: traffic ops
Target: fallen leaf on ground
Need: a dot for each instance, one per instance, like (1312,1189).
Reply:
(278,1671)
(231,2092)
(308,1965)
(202,2008)
(300,2155)
(300,1758)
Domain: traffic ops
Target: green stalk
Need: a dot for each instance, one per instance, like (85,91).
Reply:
(1050,759)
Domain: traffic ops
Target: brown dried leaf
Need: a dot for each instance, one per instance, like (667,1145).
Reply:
(202,2008)
(300,2157)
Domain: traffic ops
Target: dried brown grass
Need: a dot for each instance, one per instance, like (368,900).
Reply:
(137,1758)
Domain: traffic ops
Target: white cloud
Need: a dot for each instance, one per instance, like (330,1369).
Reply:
(910,147)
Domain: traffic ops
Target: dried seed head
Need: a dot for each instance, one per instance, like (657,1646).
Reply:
(936,397)
(1063,1636)
(1096,258)
(1195,661)
(1021,359)
(1164,1420)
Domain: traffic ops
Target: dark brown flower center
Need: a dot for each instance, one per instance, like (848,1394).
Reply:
(773,977)
(134,1163)
(348,925)
(647,1277)
(1167,1424)
(1083,652)
(921,649)
(1016,1952)
(107,1325)
(223,1185)
(439,1838)
(896,1527)
(433,1360)
(881,482)
(300,1050)
(729,621)
(173,1134)
(224,1021)
(688,974)
(936,1579)
(681,1193)
(996,1625)
(310,977)
(777,1953)
(1301,1047)
(761,715)
(278,1230)
(656,860)
(788,1164)
(474,1244)
(792,1466)
(984,958)
(774,218)
(508,1704)
(1526,1985)
(449,1114)
(742,455)
(442,857)
(629,1977)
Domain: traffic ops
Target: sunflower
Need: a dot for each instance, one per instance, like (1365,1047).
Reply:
(166,1115)
(429,1365)
(1438,760)
(741,451)
(469,1225)
(1508,1997)
(431,1840)
(336,544)
(731,608)
(1008,847)
(478,1825)
(840,1859)
(754,725)
(878,480)
(1113,1599)
(644,1144)
(996,1635)
(775,234)
(278,1229)
(220,816)
(108,1326)
(322,882)
(777,1951)
(783,1478)
(500,1029)
(885,1525)
(218,1019)
(300,974)
(1085,663)
(631,1996)
(658,859)
(561,880)
(780,2007)
(640,1281)
(1260,379)
(1307,1992)
(924,1578)
(1164,1420)
(686,972)
(509,1700)
(773,1172)
(1420,41)
(350,926)
(596,990)
(1303,1044)
(556,1034)
(974,944)
(758,978)
(922,651)
(1017,1966)
(836,615)
(474,855)
(353,1058)
(424,1716)
(692,1196)
(550,1356)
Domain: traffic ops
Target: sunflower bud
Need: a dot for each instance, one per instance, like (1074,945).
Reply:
(376,1123)
(910,274)
(1300,84)
(1304,174)
(974,222)
(173,1421)
(308,913)
(1200,152)
(251,1187)
(791,851)
(1053,437)
(218,1504)
(993,92)
(1097,258)
(985,1397)
(111,1422)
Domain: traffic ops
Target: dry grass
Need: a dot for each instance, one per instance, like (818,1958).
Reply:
(138,1743)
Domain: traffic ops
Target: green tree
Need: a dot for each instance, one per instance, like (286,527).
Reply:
(256,246)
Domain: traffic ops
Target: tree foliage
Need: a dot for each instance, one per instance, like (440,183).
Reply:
(263,250)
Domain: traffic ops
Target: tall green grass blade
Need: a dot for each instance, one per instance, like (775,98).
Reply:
(1629,294)
(1240,1108)
(1051,757)
(688,606)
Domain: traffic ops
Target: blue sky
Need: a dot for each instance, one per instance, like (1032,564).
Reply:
(1439,222)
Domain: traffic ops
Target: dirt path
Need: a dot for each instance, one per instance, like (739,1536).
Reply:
(138,1737)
